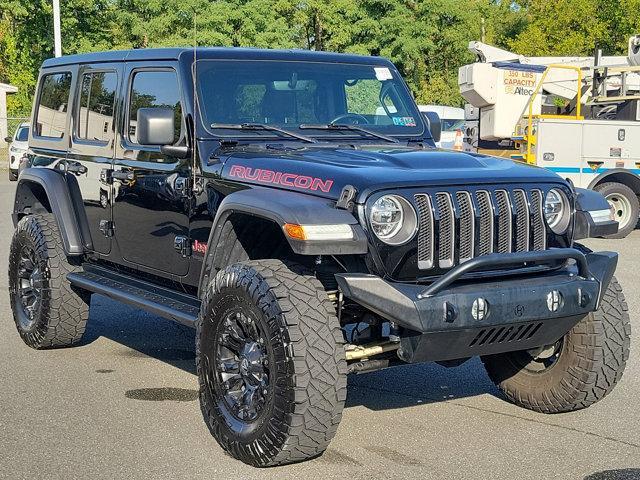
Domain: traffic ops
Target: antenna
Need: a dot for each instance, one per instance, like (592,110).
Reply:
(194,93)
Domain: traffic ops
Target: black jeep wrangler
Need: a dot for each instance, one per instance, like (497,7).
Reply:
(292,207)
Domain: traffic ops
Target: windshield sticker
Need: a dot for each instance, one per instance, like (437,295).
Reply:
(404,121)
(383,73)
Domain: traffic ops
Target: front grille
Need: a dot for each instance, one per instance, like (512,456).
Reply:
(457,226)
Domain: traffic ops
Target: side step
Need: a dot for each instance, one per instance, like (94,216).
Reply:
(176,306)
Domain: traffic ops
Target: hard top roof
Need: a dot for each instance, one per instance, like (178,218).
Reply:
(151,54)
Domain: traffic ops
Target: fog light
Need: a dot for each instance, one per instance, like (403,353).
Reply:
(480,309)
(554,300)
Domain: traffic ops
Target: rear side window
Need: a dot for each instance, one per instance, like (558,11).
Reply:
(51,113)
(95,115)
(154,89)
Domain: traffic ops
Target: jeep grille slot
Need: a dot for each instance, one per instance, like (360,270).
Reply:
(425,234)
(504,222)
(539,232)
(467,225)
(455,227)
(446,237)
(485,245)
(522,220)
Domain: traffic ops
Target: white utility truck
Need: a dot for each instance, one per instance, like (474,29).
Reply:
(578,116)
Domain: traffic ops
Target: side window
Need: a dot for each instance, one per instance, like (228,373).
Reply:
(95,115)
(51,113)
(154,89)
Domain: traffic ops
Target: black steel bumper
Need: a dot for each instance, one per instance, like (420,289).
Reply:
(439,317)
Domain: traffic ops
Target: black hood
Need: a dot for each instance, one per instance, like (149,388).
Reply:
(325,171)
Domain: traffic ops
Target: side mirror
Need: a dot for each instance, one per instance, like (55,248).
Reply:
(8,139)
(155,126)
(433,122)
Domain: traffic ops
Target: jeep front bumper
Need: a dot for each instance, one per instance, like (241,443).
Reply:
(510,313)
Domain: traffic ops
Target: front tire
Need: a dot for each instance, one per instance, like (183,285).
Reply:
(270,362)
(48,311)
(579,370)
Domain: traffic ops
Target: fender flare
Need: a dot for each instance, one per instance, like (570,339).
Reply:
(584,226)
(634,178)
(61,201)
(281,207)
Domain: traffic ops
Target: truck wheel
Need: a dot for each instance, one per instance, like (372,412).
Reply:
(270,362)
(625,203)
(580,369)
(47,310)
(13,175)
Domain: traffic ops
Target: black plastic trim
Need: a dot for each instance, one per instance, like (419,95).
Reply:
(585,227)
(62,205)
(281,207)
(160,301)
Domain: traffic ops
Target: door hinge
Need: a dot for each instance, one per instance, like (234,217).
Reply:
(106,227)
(182,245)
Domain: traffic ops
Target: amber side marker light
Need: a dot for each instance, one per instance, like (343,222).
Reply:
(318,232)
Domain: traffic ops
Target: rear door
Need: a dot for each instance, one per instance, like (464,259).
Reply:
(90,156)
(151,195)
(49,135)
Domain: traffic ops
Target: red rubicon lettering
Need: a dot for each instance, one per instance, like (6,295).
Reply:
(281,178)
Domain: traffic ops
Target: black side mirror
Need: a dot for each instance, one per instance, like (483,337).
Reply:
(155,126)
(433,122)
(8,139)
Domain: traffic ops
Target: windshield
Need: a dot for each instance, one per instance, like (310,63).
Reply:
(22,135)
(311,94)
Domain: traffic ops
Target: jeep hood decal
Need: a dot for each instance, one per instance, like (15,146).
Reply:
(325,171)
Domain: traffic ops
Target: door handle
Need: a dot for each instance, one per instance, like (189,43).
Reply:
(124,176)
(76,168)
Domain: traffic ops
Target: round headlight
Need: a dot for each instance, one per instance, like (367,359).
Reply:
(393,219)
(556,211)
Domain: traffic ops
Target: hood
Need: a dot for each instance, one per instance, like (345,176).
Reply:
(324,171)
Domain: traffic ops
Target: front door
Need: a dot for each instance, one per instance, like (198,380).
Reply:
(151,202)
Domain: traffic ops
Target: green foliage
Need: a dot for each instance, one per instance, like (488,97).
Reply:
(426,39)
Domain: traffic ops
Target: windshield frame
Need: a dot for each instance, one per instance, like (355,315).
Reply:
(320,134)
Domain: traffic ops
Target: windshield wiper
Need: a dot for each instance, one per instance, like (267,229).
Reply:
(347,126)
(260,126)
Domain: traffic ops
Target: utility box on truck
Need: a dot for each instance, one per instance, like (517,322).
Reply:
(585,150)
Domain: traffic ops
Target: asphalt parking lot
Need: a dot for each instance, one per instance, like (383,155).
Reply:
(124,404)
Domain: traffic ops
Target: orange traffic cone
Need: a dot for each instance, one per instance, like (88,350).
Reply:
(457,144)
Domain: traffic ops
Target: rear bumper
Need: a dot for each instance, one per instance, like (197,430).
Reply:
(440,318)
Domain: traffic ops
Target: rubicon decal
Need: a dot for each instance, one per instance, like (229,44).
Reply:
(281,178)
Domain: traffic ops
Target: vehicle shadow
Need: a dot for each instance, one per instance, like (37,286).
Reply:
(143,334)
(623,474)
(146,335)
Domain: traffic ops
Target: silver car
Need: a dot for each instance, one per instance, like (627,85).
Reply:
(17,149)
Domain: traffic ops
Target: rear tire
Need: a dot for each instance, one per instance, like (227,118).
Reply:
(47,309)
(270,362)
(587,363)
(13,175)
(626,204)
